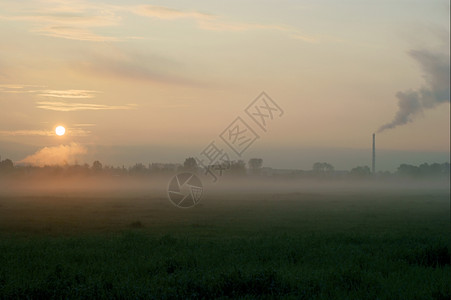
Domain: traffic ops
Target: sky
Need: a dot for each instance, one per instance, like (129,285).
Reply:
(158,81)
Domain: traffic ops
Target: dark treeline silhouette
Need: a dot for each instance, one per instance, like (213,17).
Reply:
(434,170)
(254,168)
(7,168)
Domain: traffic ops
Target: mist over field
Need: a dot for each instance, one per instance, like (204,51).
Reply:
(252,232)
(54,180)
(94,237)
(76,190)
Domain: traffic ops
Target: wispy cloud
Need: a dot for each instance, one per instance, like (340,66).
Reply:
(26,133)
(73,33)
(135,66)
(76,20)
(84,125)
(62,101)
(81,20)
(68,93)
(18,88)
(216,23)
(304,37)
(39,91)
(77,131)
(71,106)
(166,13)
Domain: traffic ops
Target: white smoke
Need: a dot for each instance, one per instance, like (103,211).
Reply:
(58,155)
(435,67)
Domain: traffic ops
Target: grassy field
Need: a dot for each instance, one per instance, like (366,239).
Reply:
(271,245)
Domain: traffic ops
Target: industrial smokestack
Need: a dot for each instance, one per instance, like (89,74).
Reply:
(373,166)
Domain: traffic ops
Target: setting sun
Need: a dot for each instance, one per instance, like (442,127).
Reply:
(60,130)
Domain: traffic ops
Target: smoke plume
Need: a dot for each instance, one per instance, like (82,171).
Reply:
(58,155)
(435,67)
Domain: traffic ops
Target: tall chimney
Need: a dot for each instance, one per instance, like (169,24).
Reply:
(373,166)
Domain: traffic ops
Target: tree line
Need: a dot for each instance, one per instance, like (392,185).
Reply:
(236,168)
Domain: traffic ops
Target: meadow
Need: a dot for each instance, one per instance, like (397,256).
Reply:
(254,244)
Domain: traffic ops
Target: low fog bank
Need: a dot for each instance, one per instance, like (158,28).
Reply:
(227,177)
(83,186)
(270,185)
(157,185)
(62,204)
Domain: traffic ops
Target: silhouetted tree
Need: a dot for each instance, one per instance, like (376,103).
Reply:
(361,172)
(138,169)
(190,164)
(97,166)
(255,165)
(237,168)
(6,165)
(408,170)
(445,167)
(425,170)
(322,168)
(433,170)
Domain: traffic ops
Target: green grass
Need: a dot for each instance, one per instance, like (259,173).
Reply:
(267,246)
